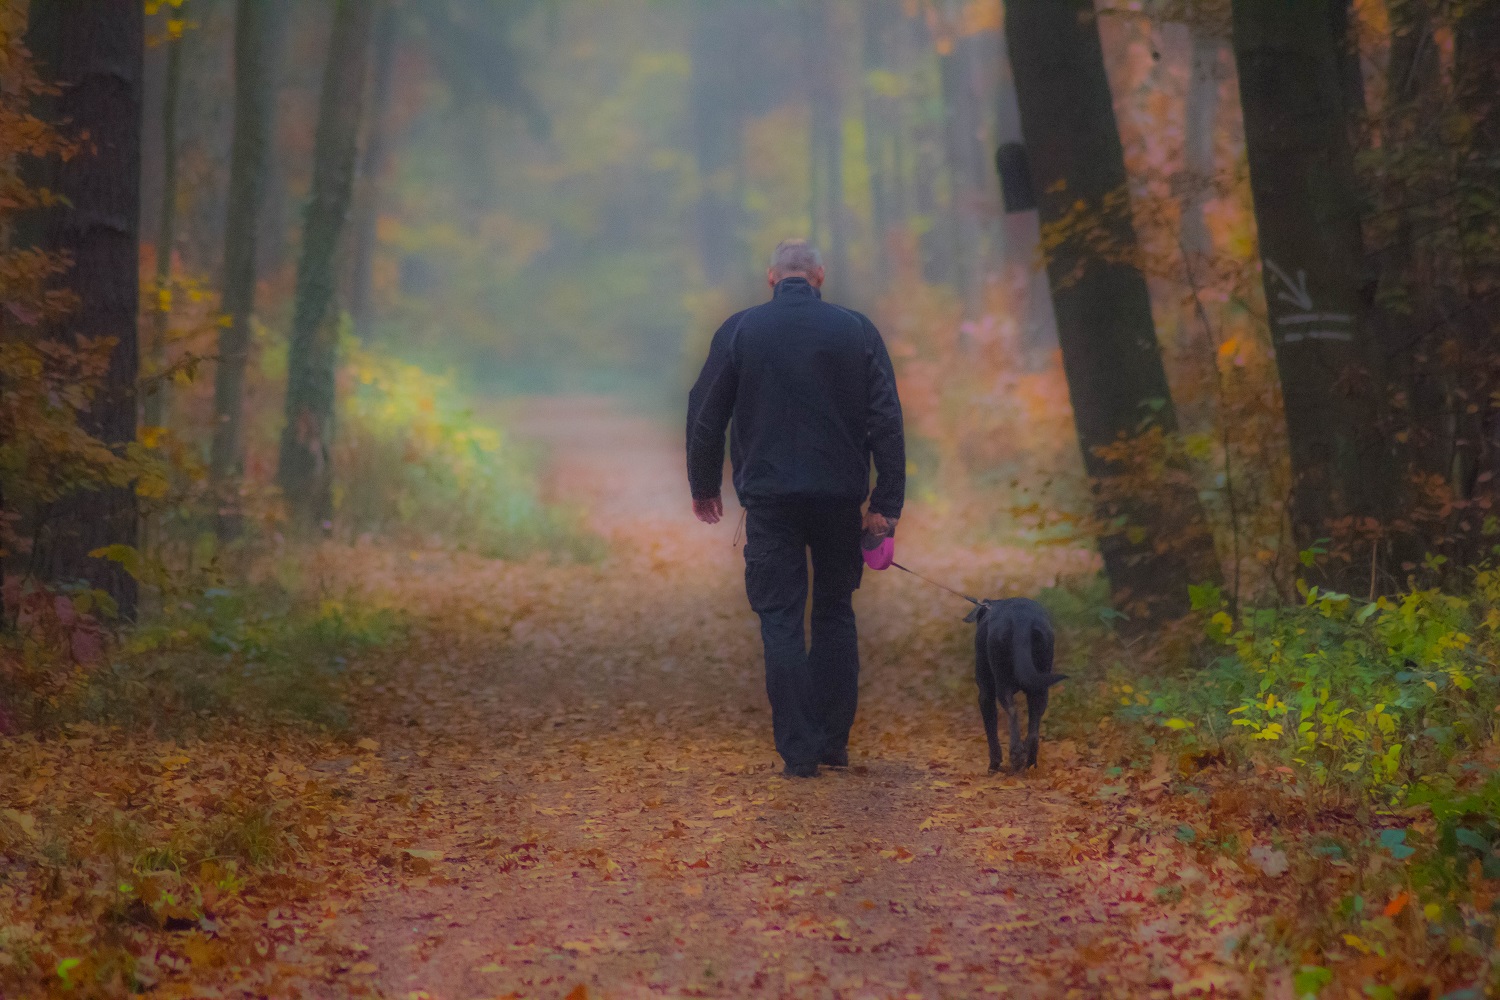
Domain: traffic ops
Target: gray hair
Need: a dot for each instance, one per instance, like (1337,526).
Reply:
(795,257)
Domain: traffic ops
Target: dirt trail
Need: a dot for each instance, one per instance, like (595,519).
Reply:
(573,777)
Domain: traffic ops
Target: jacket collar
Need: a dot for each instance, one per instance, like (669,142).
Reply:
(795,288)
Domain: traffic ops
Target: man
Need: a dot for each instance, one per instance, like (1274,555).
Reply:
(809,390)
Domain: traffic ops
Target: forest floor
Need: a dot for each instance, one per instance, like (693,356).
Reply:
(561,783)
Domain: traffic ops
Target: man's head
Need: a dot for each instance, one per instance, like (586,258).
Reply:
(796,259)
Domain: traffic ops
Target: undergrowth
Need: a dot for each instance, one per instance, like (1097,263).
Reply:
(256,653)
(415,463)
(1344,750)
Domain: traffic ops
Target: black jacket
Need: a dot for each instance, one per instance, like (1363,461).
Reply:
(812,395)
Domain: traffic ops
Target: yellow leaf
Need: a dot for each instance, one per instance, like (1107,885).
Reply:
(364,968)
(368,744)
(1178,724)
(25,821)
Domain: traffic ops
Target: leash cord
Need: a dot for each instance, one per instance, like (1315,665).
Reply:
(939,586)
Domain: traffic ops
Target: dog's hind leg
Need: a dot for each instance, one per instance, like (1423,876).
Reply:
(987,710)
(1036,706)
(1008,702)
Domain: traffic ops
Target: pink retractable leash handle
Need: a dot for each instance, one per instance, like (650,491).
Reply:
(879,550)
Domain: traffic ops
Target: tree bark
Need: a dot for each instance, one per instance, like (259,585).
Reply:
(1111,358)
(826,139)
(94,50)
(1477,95)
(876,18)
(969,174)
(718,109)
(372,172)
(1200,134)
(254,96)
(306,467)
(1296,97)
(166,239)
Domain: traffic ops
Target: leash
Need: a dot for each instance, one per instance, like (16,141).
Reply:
(939,586)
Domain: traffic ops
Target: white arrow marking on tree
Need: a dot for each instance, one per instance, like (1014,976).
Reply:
(1296,291)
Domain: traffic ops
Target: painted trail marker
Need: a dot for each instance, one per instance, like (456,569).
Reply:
(1308,323)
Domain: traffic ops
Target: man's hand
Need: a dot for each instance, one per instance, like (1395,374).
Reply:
(878,524)
(709,511)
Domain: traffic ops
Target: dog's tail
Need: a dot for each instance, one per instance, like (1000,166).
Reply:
(1030,678)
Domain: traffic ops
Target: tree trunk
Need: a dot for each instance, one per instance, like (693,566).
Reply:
(1021,237)
(1200,133)
(1477,94)
(94,50)
(876,18)
(826,139)
(1295,93)
(254,96)
(929,161)
(1110,352)
(372,171)
(717,102)
(166,239)
(969,175)
(306,467)
(288,20)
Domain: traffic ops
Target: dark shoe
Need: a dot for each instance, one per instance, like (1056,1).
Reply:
(800,771)
(835,758)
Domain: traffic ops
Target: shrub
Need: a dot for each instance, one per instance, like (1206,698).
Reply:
(415,462)
(1359,698)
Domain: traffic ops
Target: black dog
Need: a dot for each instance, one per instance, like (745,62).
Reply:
(1013,652)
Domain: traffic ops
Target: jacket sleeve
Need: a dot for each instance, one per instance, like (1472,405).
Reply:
(710,405)
(887,437)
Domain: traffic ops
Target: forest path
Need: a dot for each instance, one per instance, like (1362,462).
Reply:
(573,773)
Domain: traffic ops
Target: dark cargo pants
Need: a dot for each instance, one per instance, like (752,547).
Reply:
(813,691)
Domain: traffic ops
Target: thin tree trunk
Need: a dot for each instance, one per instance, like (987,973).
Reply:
(1110,353)
(876,18)
(306,466)
(1200,134)
(1295,93)
(372,172)
(166,239)
(826,139)
(717,103)
(968,163)
(929,166)
(254,94)
(94,49)
(287,20)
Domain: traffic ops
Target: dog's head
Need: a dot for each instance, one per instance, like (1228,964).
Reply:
(979,612)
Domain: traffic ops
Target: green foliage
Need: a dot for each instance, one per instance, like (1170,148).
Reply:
(1355,697)
(256,654)
(414,461)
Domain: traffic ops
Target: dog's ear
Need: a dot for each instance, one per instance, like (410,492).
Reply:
(977,613)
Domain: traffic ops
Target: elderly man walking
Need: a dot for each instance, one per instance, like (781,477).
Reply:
(808,392)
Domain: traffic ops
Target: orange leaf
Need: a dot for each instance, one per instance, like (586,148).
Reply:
(1398,904)
(580,992)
